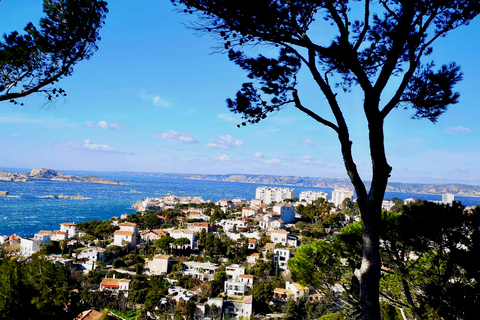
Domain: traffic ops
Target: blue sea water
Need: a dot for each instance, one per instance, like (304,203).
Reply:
(26,212)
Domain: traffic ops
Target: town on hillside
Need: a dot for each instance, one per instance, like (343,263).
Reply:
(186,258)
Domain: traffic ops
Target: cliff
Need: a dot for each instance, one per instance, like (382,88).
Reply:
(49,174)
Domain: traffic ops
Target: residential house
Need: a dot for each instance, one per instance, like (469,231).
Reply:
(249,212)
(199,226)
(239,224)
(234,270)
(69,228)
(178,293)
(225,203)
(283,255)
(183,233)
(291,291)
(256,202)
(29,246)
(279,236)
(116,285)
(247,309)
(121,238)
(206,310)
(127,234)
(43,237)
(89,315)
(252,258)
(159,264)
(269,247)
(93,254)
(150,235)
(238,285)
(58,235)
(200,270)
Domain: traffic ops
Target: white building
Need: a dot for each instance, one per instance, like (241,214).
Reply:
(283,255)
(183,233)
(273,194)
(69,228)
(200,270)
(311,196)
(159,264)
(448,198)
(340,194)
(29,246)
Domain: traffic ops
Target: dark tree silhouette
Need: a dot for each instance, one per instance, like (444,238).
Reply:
(376,44)
(34,61)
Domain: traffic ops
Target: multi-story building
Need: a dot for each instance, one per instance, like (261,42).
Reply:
(448,198)
(340,194)
(273,194)
(311,196)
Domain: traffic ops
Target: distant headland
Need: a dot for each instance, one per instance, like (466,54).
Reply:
(49,174)
(462,190)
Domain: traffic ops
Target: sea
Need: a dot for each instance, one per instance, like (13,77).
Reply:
(25,212)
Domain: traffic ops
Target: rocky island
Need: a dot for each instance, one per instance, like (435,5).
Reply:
(52,196)
(49,174)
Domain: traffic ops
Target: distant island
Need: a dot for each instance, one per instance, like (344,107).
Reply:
(52,196)
(49,174)
(462,190)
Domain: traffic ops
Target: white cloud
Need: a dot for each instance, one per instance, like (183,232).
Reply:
(225,142)
(14,135)
(224,158)
(307,159)
(104,125)
(226,117)
(87,145)
(159,102)
(458,129)
(308,142)
(258,155)
(272,161)
(176,136)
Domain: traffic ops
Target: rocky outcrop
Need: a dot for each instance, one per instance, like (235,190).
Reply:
(49,174)
(51,196)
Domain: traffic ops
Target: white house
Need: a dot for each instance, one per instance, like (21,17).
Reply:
(93,254)
(159,264)
(69,228)
(43,237)
(29,246)
(234,270)
(283,255)
(247,309)
(200,270)
(116,285)
(249,212)
(183,233)
(280,236)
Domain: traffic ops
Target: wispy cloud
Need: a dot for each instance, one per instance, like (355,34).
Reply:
(226,117)
(159,102)
(103,124)
(52,122)
(258,155)
(88,146)
(14,135)
(225,142)
(272,161)
(308,142)
(155,99)
(223,158)
(458,129)
(173,135)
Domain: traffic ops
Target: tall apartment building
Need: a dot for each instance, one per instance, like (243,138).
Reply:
(340,194)
(448,198)
(311,196)
(271,194)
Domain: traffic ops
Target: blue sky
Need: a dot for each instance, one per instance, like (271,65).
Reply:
(152,98)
